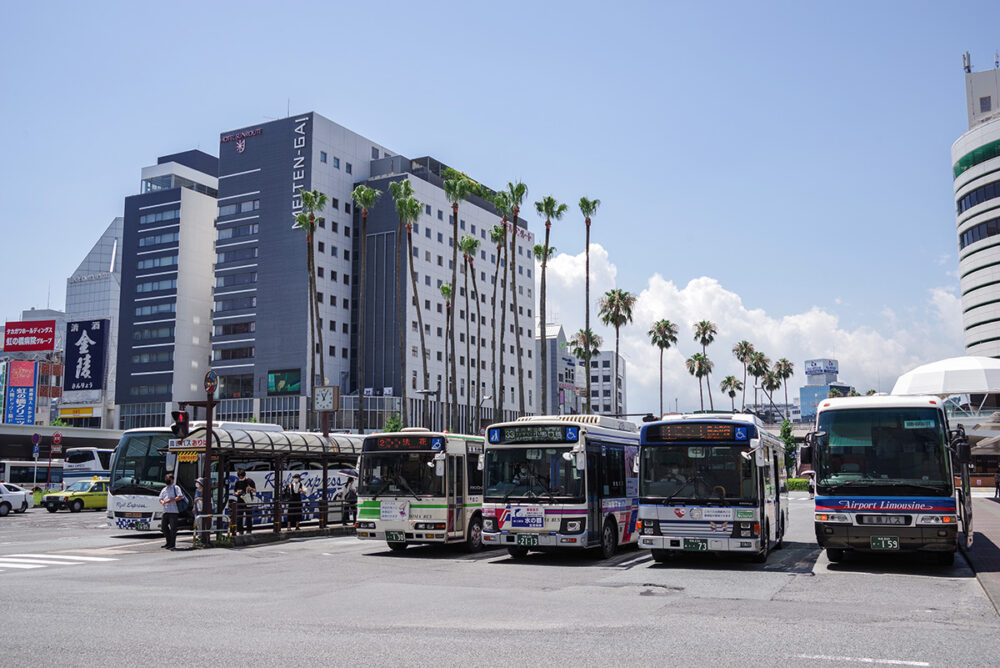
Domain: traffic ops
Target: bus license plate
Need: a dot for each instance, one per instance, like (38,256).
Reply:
(885,543)
(395,536)
(140,526)
(696,545)
(527,539)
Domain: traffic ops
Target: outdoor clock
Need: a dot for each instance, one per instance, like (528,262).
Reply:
(323,400)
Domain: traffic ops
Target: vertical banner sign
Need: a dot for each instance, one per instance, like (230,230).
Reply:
(86,346)
(29,336)
(20,404)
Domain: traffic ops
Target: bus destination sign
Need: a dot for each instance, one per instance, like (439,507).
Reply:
(534,433)
(696,431)
(377,443)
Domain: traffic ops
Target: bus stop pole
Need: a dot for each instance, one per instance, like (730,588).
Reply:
(206,492)
(323,502)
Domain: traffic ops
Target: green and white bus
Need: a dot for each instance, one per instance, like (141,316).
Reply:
(418,486)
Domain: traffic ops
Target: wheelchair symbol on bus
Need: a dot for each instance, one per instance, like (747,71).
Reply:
(437,443)
(741,434)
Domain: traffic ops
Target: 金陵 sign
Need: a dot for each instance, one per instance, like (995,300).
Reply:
(20,403)
(86,343)
(29,335)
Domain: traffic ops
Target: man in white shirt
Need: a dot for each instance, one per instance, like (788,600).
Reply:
(169,496)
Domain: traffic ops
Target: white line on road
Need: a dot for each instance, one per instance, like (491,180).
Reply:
(861,659)
(46,562)
(71,557)
(12,565)
(637,560)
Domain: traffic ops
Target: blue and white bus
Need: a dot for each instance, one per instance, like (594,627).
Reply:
(711,483)
(560,481)
(86,463)
(890,477)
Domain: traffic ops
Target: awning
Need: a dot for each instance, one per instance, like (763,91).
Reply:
(956,375)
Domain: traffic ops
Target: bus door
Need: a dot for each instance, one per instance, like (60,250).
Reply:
(594,482)
(456,498)
(776,468)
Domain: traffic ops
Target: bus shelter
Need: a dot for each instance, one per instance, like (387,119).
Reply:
(270,458)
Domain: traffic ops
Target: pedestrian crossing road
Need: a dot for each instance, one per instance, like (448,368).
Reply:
(22,562)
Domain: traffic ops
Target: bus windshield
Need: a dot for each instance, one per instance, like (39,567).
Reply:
(899,448)
(705,472)
(399,474)
(531,472)
(139,464)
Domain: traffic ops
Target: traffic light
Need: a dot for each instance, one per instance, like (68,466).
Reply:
(181,424)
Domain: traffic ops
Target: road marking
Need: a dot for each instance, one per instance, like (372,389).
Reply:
(13,565)
(72,557)
(637,560)
(45,562)
(861,659)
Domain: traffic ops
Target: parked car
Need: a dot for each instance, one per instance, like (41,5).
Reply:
(13,497)
(81,494)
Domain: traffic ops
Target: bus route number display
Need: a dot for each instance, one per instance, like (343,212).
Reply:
(695,431)
(402,443)
(536,433)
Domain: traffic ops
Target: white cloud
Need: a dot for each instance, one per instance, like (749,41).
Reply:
(871,356)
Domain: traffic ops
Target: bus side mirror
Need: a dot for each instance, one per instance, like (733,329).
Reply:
(581,461)
(171,462)
(480,462)
(806,454)
(635,465)
(960,445)
(438,463)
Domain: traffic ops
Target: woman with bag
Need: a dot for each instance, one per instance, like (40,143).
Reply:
(295,491)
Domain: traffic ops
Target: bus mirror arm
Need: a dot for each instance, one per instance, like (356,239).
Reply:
(480,462)
(960,445)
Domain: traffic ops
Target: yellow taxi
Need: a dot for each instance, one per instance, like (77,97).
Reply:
(81,494)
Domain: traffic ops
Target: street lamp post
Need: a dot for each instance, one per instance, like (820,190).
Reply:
(427,408)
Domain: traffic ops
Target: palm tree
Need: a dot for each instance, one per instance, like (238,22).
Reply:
(784,369)
(616,310)
(834,393)
(662,334)
(744,351)
(446,293)
(539,253)
(731,385)
(549,208)
(470,246)
(517,192)
(759,366)
(312,203)
(583,345)
(413,211)
(456,188)
(769,384)
(402,191)
(364,199)
(698,365)
(704,333)
(588,207)
(498,235)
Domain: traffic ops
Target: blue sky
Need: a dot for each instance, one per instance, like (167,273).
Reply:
(796,153)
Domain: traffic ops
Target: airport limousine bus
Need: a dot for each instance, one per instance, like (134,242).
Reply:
(558,481)
(85,463)
(143,458)
(417,486)
(886,470)
(711,483)
(30,473)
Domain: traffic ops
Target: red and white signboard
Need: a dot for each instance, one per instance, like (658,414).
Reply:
(57,438)
(29,336)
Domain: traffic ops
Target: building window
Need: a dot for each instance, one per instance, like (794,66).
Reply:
(157,239)
(236,255)
(347,254)
(347,207)
(347,167)
(236,279)
(985,104)
(319,272)
(322,156)
(333,251)
(155,309)
(440,214)
(336,162)
(247,230)
(248,206)
(235,304)
(159,216)
(154,262)
(225,354)
(152,333)
(154,286)
(333,351)
(374,153)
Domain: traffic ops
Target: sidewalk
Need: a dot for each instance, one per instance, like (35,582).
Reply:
(984,557)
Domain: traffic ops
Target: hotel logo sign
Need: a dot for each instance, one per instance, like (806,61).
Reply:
(241,138)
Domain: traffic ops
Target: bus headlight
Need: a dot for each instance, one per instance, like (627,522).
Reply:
(834,518)
(490,524)
(575,525)
(365,525)
(430,526)
(937,519)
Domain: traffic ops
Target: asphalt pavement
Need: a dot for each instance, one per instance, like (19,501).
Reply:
(343,601)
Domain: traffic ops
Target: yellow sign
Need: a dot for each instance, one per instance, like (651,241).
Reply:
(76,412)
(187,456)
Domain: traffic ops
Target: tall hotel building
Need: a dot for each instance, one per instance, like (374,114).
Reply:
(261,337)
(976,169)
(165,310)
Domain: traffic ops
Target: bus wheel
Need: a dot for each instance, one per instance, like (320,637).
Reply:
(51,507)
(835,554)
(944,558)
(662,556)
(76,506)
(397,547)
(4,509)
(474,542)
(609,539)
(517,552)
(781,535)
(761,557)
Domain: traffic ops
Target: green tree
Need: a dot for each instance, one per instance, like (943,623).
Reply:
(517,191)
(498,235)
(365,199)
(584,344)
(834,393)
(393,422)
(784,369)
(616,310)
(662,334)
(731,385)
(456,188)
(470,246)
(789,439)
(698,365)
(539,253)
(769,383)
(313,202)
(447,294)
(550,209)
(758,367)
(704,333)
(413,210)
(588,207)
(743,352)
(402,192)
